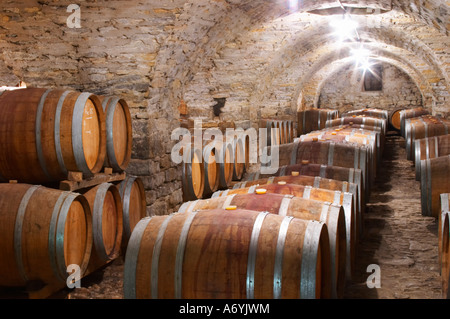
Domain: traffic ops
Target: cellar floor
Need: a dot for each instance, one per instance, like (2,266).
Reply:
(397,238)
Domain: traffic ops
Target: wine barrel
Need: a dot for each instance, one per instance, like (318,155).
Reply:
(423,128)
(434,180)
(314,119)
(342,242)
(238,158)
(328,153)
(42,232)
(132,193)
(377,123)
(211,168)
(107,224)
(193,178)
(370,112)
(443,234)
(44,134)
(273,131)
(344,174)
(431,147)
(364,140)
(234,255)
(317,182)
(444,252)
(119,135)
(394,119)
(410,113)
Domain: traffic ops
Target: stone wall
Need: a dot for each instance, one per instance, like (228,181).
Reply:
(171,55)
(344,90)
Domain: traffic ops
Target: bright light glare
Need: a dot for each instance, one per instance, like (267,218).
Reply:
(293,5)
(361,57)
(345,28)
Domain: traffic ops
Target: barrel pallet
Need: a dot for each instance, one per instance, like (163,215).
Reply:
(76,181)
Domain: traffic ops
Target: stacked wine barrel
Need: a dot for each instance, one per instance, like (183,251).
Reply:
(314,119)
(427,143)
(291,234)
(213,165)
(51,136)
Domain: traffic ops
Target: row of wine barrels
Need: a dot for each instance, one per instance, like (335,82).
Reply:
(410,113)
(327,153)
(317,182)
(423,127)
(45,133)
(228,255)
(289,205)
(278,132)
(314,119)
(431,147)
(214,166)
(343,174)
(371,112)
(366,138)
(366,122)
(45,230)
(434,181)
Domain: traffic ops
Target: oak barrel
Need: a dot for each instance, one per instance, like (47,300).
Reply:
(234,255)
(317,182)
(314,119)
(46,133)
(434,181)
(341,226)
(107,223)
(376,123)
(193,178)
(410,113)
(444,252)
(328,153)
(431,147)
(424,127)
(394,119)
(42,232)
(344,174)
(132,193)
(119,135)
(370,112)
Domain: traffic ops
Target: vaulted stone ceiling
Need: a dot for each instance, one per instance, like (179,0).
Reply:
(268,53)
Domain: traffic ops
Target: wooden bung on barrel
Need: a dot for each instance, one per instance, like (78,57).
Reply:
(342,242)
(107,224)
(119,135)
(431,147)
(228,255)
(42,232)
(44,134)
(434,181)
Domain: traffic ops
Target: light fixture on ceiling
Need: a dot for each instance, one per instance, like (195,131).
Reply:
(345,28)
(361,56)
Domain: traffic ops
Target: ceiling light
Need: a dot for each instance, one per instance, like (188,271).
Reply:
(344,28)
